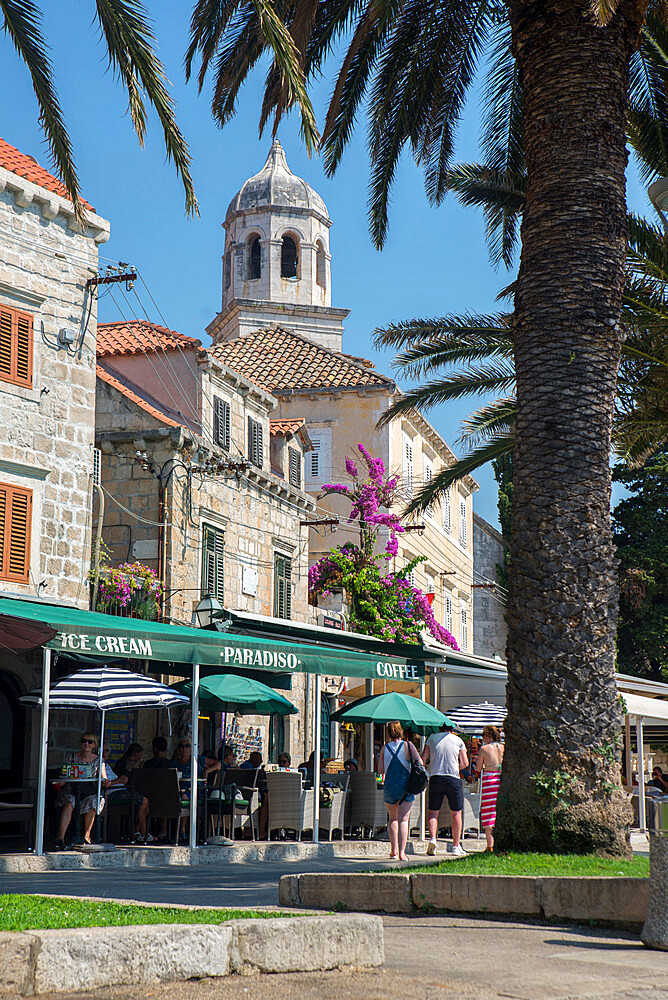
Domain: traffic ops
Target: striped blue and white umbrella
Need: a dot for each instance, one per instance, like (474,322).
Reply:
(107,689)
(471,719)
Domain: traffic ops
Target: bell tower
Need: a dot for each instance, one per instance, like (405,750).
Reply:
(276,261)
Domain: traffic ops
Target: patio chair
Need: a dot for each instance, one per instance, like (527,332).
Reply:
(290,805)
(17,805)
(245,804)
(367,808)
(333,816)
(161,788)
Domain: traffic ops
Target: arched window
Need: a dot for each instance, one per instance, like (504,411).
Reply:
(320,265)
(253,259)
(227,269)
(289,258)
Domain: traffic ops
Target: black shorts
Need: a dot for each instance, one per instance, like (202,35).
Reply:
(445,785)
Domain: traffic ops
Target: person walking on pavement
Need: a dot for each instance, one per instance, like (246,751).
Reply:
(445,756)
(395,761)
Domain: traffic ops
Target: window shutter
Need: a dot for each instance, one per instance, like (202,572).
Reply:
(16,336)
(255,443)
(213,562)
(448,613)
(221,422)
(428,476)
(97,467)
(465,630)
(462,523)
(250,440)
(447,512)
(314,458)
(282,587)
(295,470)
(15,529)
(259,446)
(408,464)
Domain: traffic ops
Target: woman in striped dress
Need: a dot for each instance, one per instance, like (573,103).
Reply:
(488,763)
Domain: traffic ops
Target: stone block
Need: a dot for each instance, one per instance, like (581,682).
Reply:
(361,892)
(476,893)
(655,930)
(15,963)
(307,944)
(83,959)
(288,890)
(610,900)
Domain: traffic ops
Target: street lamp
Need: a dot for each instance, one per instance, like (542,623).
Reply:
(658,195)
(207,608)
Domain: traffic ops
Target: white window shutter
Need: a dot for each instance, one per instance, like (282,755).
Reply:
(465,630)
(408,464)
(462,524)
(97,466)
(448,613)
(447,512)
(428,476)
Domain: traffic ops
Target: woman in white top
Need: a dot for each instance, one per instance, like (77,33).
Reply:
(395,761)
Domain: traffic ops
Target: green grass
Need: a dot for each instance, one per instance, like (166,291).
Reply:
(21,913)
(536,864)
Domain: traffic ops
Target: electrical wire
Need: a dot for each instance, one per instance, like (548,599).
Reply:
(143,520)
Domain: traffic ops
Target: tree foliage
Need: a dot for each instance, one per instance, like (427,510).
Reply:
(640,522)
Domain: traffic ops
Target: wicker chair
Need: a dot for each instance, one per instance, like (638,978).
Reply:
(333,817)
(367,807)
(245,805)
(290,806)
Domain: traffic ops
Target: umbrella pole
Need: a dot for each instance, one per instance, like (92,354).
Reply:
(194,755)
(43,749)
(99,780)
(368,684)
(422,794)
(316,760)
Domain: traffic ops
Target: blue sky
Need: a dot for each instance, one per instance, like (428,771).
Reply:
(434,262)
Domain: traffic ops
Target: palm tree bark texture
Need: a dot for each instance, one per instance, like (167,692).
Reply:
(561,780)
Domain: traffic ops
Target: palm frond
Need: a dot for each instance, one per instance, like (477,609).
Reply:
(443,480)
(469,381)
(489,421)
(208,22)
(448,351)
(502,140)
(604,10)
(237,54)
(421,331)
(648,101)
(502,196)
(131,49)
(22,23)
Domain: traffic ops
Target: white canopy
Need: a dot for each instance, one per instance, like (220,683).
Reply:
(653,711)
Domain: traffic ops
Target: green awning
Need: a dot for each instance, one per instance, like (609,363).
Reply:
(103,636)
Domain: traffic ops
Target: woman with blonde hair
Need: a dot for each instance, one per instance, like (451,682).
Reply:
(488,764)
(89,804)
(395,764)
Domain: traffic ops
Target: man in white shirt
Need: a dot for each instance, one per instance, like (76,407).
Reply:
(445,756)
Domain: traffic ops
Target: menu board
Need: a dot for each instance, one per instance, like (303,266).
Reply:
(119,731)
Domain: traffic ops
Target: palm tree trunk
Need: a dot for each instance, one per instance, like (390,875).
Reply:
(561,781)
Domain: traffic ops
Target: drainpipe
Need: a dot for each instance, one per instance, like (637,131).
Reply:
(98,539)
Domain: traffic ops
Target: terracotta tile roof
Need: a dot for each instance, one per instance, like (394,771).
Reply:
(137,336)
(27,166)
(134,397)
(279,359)
(281,427)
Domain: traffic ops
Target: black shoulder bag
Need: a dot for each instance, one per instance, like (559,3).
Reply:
(418,777)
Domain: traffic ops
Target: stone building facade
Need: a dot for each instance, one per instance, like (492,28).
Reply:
(47,418)
(262,333)
(229,486)
(489,630)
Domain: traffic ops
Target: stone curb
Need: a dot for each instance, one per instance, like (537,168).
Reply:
(613,901)
(53,961)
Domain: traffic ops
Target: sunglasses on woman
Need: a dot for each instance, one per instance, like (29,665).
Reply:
(91,742)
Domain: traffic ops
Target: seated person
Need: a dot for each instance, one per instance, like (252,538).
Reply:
(284,759)
(308,766)
(226,757)
(659,780)
(89,805)
(350,765)
(183,763)
(131,758)
(159,759)
(254,761)
(114,786)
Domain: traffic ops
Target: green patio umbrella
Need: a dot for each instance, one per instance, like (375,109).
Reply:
(416,715)
(233,694)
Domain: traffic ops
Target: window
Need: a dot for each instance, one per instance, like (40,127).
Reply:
(320,265)
(295,468)
(15,525)
(16,332)
(318,461)
(428,476)
(465,630)
(227,269)
(448,613)
(289,258)
(253,259)
(325,726)
(213,567)
(255,445)
(221,422)
(462,524)
(429,585)
(447,511)
(408,464)
(282,586)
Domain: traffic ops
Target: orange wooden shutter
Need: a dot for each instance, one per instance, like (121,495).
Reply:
(16,336)
(15,527)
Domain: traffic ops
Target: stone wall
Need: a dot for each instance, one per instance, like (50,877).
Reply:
(489,629)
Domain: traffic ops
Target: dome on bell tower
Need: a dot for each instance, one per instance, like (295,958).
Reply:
(276,185)
(276,263)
